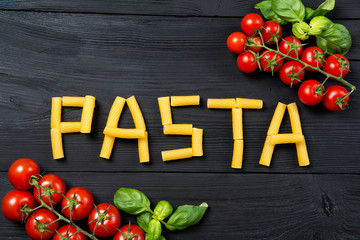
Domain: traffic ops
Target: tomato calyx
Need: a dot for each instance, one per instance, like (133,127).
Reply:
(101,218)
(294,46)
(341,102)
(43,227)
(25,212)
(72,203)
(320,90)
(344,65)
(272,63)
(294,76)
(67,234)
(319,58)
(47,191)
(128,235)
(274,37)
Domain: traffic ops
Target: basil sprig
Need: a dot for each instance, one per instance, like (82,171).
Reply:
(135,202)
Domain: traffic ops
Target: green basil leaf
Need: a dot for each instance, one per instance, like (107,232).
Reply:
(266,10)
(186,216)
(163,209)
(308,13)
(322,9)
(319,24)
(143,220)
(154,230)
(131,201)
(336,39)
(300,30)
(162,238)
(289,10)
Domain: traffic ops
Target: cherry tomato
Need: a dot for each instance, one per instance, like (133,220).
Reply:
(20,172)
(107,215)
(81,201)
(12,203)
(129,233)
(336,65)
(246,62)
(236,42)
(67,232)
(57,189)
(271,31)
(288,46)
(313,56)
(270,61)
(332,95)
(254,44)
(309,94)
(43,227)
(251,23)
(292,72)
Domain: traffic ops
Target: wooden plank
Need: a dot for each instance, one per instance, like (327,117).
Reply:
(250,206)
(46,55)
(343,9)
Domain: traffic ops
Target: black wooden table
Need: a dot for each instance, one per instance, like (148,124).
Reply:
(161,48)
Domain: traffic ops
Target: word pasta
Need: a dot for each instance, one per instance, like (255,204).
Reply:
(112,131)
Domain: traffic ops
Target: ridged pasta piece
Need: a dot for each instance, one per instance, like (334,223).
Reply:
(107,147)
(286,138)
(136,113)
(56,143)
(267,152)
(177,154)
(197,142)
(238,151)
(115,112)
(237,123)
(87,114)
(224,103)
(294,118)
(277,119)
(249,103)
(302,153)
(70,127)
(73,101)
(143,145)
(129,133)
(165,110)
(55,112)
(177,101)
(178,129)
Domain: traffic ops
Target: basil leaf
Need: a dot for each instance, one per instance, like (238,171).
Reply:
(186,216)
(308,13)
(266,10)
(336,39)
(162,238)
(289,10)
(154,230)
(143,220)
(163,209)
(322,9)
(319,24)
(131,201)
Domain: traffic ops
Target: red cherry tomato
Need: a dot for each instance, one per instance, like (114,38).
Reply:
(12,203)
(254,44)
(57,189)
(336,65)
(83,203)
(107,215)
(313,56)
(251,23)
(291,71)
(332,95)
(288,46)
(236,42)
(68,232)
(36,229)
(20,172)
(246,62)
(133,230)
(308,92)
(270,61)
(271,31)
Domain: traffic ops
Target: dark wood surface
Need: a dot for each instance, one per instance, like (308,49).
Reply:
(159,48)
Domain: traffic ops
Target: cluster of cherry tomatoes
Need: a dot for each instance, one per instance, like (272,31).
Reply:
(76,204)
(292,71)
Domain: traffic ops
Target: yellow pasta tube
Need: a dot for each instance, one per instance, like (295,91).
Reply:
(302,153)
(286,138)
(73,101)
(176,154)
(237,123)
(177,101)
(136,113)
(294,118)
(165,110)
(55,112)
(237,158)
(249,103)
(87,114)
(107,147)
(115,112)
(225,103)
(143,144)
(277,119)
(267,152)
(197,142)
(178,129)
(131,133)
(56,143)
(70,127)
